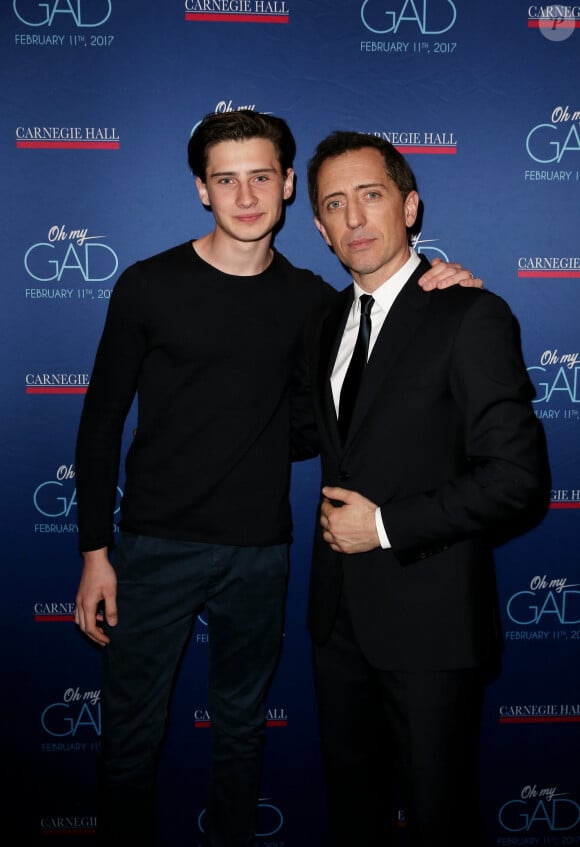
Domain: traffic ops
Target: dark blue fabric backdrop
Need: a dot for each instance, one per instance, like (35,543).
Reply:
(98,100)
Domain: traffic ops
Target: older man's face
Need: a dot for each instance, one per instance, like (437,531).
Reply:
(363,217)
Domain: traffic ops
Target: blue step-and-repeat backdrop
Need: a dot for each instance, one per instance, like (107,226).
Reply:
(98,99)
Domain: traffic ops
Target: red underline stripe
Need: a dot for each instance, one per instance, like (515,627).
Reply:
(549,273)
(61,389)
(68,145)
(566,505)
(239,19)
(54,618)
(449,150)
(552,23)
(48,832)
(543,719)
(207,724)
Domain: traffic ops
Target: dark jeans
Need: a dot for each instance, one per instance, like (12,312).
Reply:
(162,586)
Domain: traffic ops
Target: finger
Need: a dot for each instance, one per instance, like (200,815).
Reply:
(82,618)
(330,539)
(438,265)
(99,637)
(94,627)
(325,510)
(452,277)
(465,278)
(111,612)
(93,631)
(335,493)
(475,282)
(439,268)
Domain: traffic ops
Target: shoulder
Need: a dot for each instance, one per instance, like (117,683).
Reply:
(476,321)
(159,268)
(173,257)
(306,283)
(463,301)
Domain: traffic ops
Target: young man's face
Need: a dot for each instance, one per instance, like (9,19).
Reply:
(363,217)
(245,188)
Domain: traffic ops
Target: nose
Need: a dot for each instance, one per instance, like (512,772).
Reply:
(246,196)
(354,215)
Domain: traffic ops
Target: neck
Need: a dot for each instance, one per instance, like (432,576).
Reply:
(237,258)
(371,280)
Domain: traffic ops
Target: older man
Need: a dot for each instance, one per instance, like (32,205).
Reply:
(429,449)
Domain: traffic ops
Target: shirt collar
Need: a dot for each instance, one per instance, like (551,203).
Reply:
(386,293)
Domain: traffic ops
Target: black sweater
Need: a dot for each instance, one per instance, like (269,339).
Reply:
(214,361)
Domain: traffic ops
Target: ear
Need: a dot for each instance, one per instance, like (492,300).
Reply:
(288,184)
(202,191)
(411,207)
(320,227)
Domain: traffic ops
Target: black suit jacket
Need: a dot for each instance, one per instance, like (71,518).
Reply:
(444,439)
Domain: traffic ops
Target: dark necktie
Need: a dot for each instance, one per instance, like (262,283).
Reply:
(356,367)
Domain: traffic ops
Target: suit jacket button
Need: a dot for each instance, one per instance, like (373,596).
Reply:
(344,476)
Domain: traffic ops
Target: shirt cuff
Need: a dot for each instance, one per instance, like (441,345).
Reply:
(383,537)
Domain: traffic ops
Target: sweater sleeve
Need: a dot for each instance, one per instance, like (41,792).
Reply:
(107,402)
(304,440)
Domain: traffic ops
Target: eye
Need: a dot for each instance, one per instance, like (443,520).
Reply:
(225,180)
(333,204)
(262,178)
(373,195)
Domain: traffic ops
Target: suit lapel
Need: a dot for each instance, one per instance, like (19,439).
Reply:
(329,342)
(399,330)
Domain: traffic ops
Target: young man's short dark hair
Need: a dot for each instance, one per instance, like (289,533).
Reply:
(239,126)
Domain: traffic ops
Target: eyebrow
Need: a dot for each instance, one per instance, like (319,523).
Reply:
(237,173)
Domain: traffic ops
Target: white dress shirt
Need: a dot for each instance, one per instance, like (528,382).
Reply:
(384,297)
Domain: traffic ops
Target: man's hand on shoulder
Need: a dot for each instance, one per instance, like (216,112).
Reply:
(444,274)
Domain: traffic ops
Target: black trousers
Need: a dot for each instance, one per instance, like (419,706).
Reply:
(395,740)
(162,587)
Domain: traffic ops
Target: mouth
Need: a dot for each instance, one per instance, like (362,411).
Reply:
(358,244)
(249,219)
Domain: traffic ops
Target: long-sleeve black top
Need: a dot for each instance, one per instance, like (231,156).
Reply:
(213,360)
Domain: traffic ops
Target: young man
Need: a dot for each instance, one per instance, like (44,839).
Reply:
(441,452)
(208,335)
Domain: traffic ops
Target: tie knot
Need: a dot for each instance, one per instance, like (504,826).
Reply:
(366,304)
